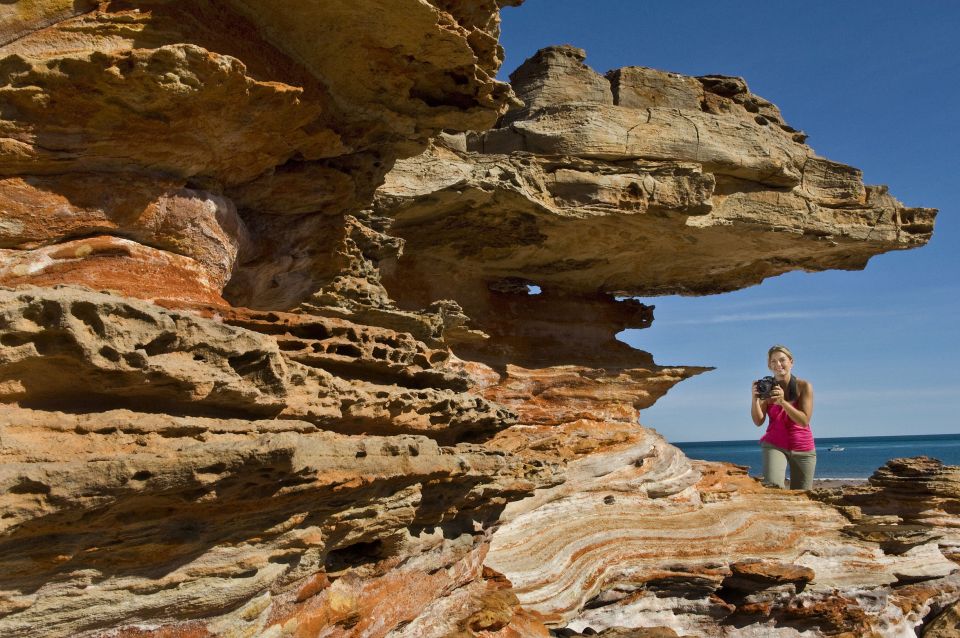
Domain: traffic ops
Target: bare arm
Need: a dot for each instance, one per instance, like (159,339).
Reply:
(801,414)
(758,407)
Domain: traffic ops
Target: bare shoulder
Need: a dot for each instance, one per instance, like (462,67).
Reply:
(804,386)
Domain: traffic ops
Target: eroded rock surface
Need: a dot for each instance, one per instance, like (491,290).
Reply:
(669,184)
(272,363)
(705,551)
(907,502)
(112,518)
(109,111)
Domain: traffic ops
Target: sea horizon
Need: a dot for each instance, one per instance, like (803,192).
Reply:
(851,457)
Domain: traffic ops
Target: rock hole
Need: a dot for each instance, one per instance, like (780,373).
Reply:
(247,363)
(142,475)
(87,313)
(292,481)
(347,350)
(110,354)
(392,449)
(14,340)
(29,486)
(135,359)
(159,345)
(248,573)
(217,468)
(355,555)
(45,313)
(291,559)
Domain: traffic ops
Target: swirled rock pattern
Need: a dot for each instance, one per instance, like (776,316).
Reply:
(294,344)
(636,540)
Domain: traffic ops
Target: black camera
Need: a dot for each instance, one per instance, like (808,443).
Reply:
(765,386)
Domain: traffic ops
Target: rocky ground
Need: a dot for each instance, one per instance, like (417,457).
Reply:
(270,365)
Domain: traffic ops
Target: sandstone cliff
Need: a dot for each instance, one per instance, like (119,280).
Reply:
(269,364)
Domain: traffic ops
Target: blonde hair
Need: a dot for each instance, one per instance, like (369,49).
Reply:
(784,349)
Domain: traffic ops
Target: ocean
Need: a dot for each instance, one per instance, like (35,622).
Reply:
(860,456)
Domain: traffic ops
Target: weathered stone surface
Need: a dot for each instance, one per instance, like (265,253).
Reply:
(171,518)
(906,502)
(610,551)
(327,372)
(84,110)
(63,348)
(945,625)
(164,214)
(693,196)
(401,412)
(106,262)
(19,19)
(640,87)
(150,98)
(557,75)
(144,237)
(120,352)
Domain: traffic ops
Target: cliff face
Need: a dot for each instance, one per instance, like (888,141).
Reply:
(269,364)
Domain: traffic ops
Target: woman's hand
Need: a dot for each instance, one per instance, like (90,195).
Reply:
(758,407)
(776,396)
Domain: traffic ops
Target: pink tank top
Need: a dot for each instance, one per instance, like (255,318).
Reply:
(785,434)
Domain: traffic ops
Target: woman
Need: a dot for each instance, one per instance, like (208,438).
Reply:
(788,438)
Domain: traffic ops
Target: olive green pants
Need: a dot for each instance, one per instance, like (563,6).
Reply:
(802,465)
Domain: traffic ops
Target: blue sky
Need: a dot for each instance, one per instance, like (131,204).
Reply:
(875,84)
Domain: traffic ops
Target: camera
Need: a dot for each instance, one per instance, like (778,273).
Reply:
(765,386)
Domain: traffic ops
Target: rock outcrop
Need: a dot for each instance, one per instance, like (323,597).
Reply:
(273,362)
(133,120)
(662,184)
(906,503)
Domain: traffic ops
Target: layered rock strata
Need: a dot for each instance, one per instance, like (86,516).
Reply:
(645,182)
(130,116)
(703,550)
(266,371)
(906,503)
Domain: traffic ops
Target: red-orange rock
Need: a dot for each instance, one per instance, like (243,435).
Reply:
(322,397)
(752,574)
(105,262)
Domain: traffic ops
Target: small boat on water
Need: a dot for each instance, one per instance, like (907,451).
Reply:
(836,448)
